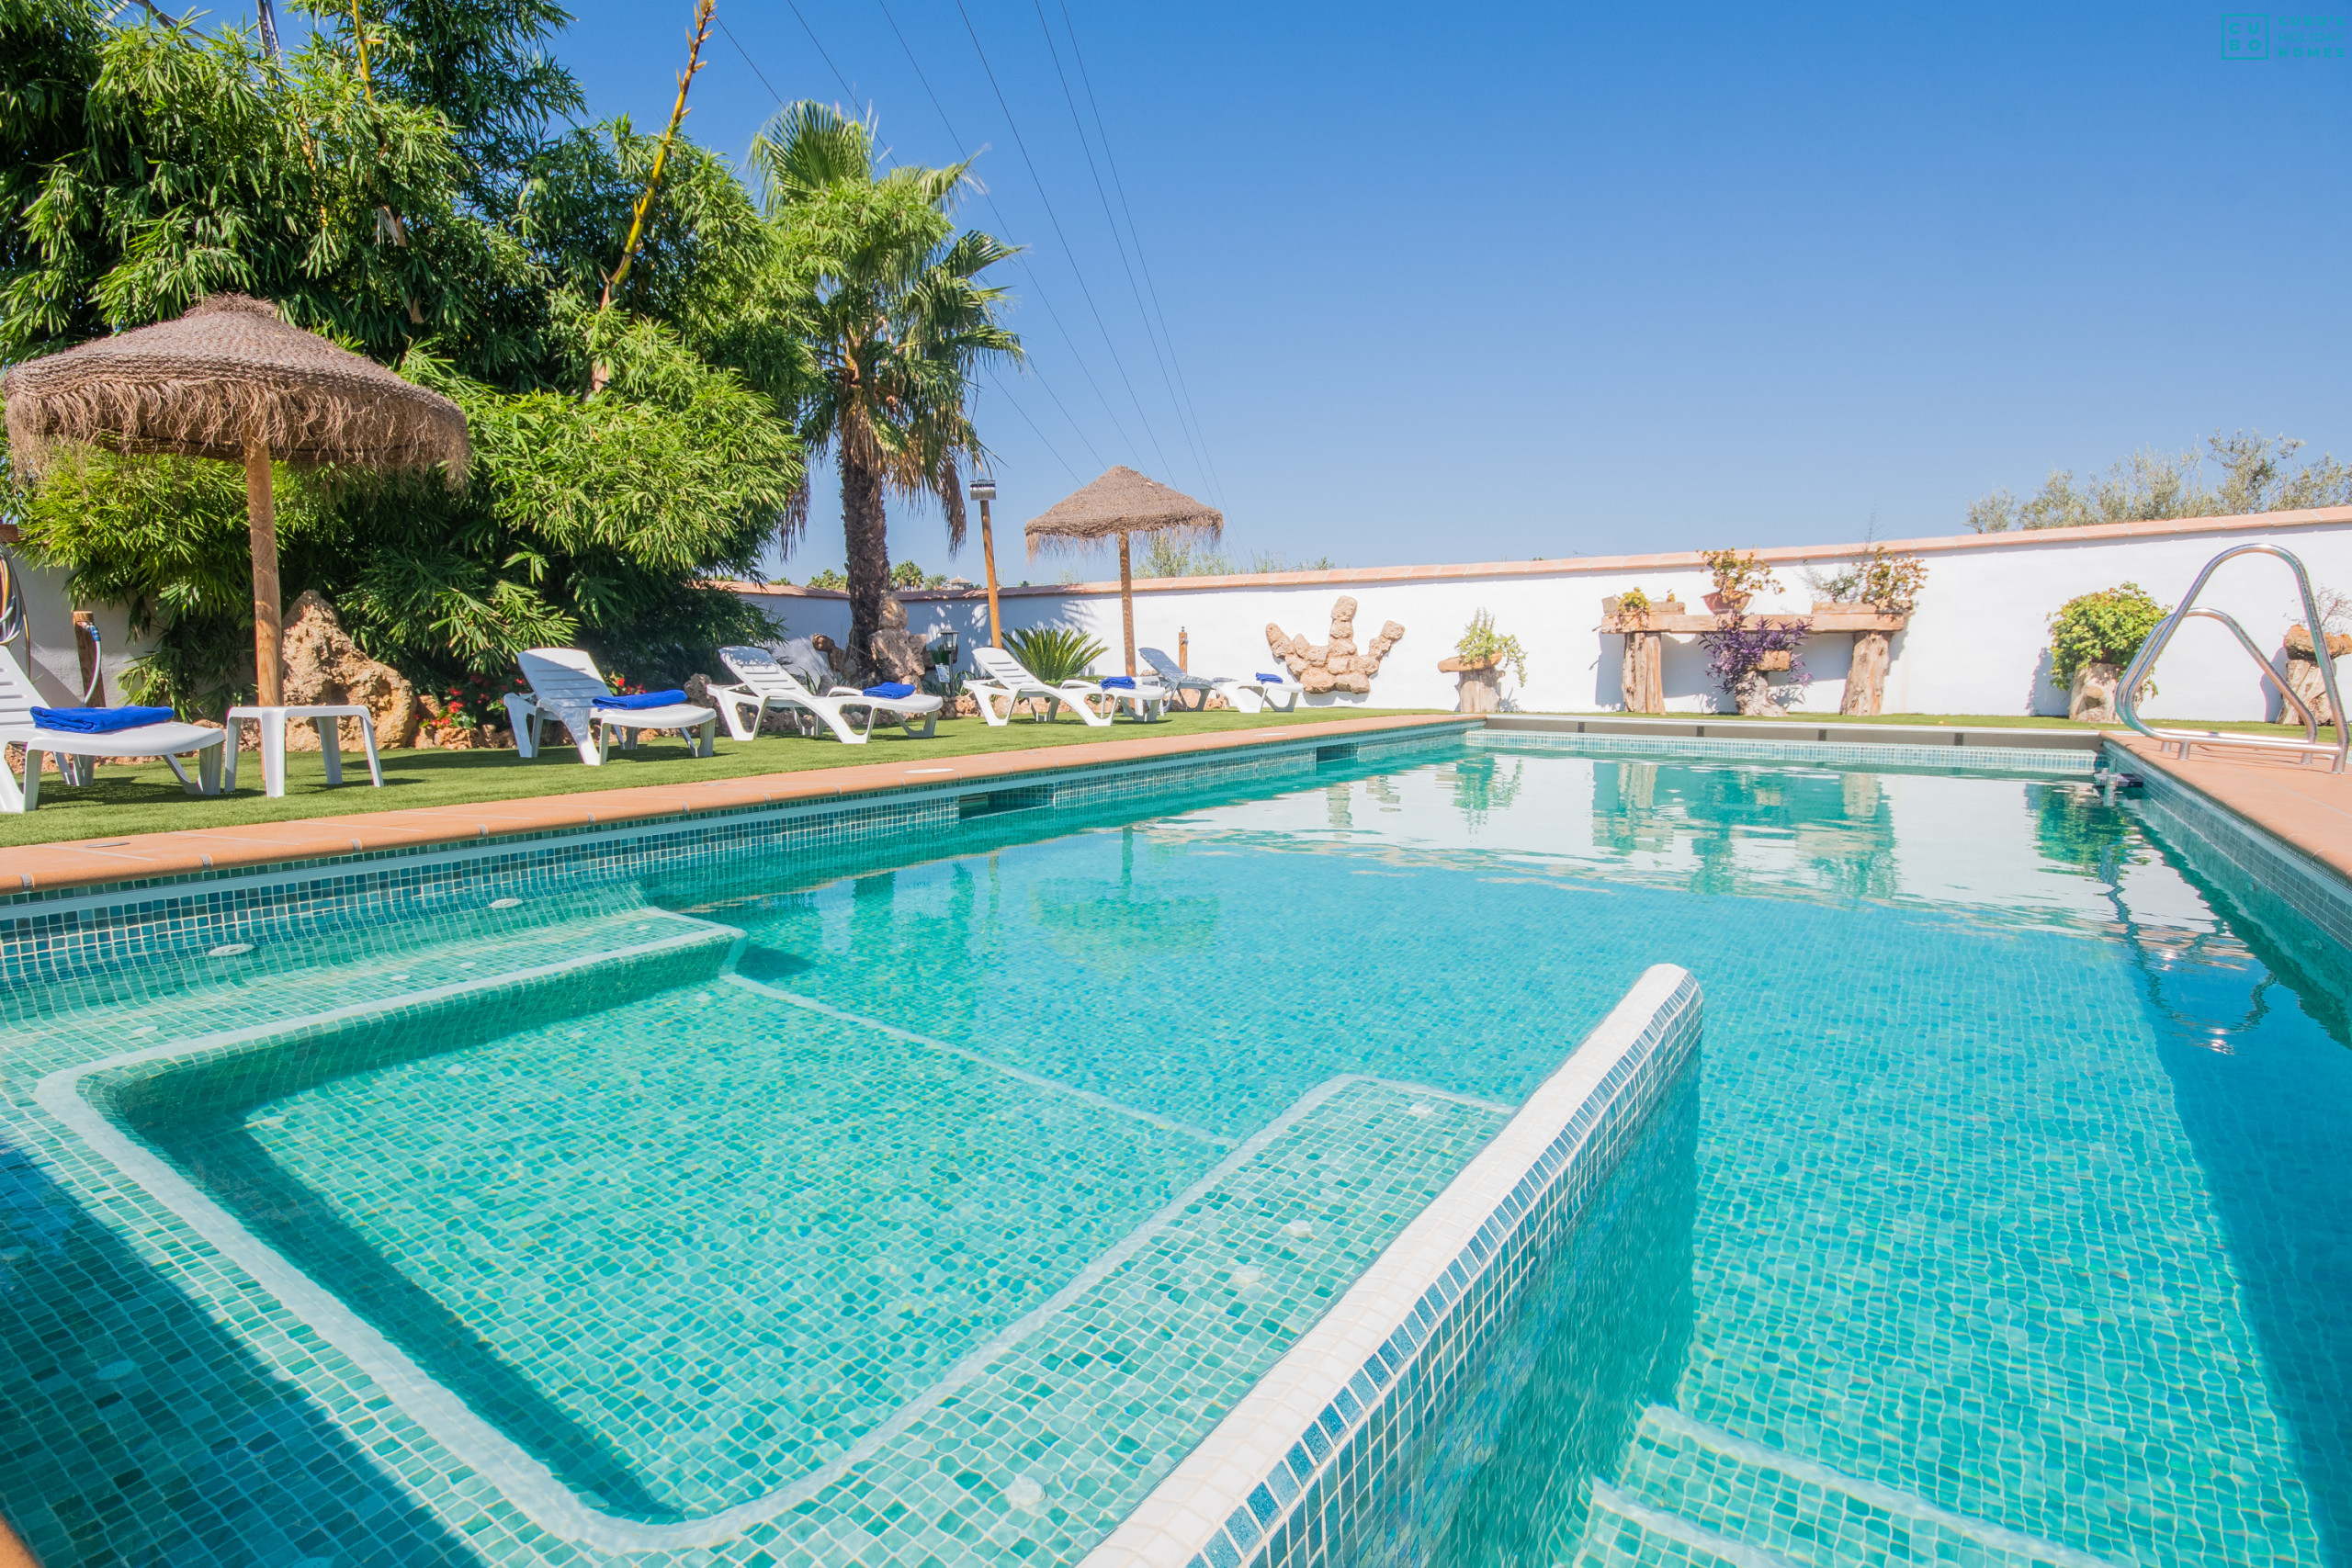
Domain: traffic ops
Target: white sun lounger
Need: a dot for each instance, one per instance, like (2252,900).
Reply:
(766,681)
(1282,694)
(77,755)
(565,689)
(1001,675)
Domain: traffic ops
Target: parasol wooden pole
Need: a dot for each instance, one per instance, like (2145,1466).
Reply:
(987,554)
(261,517)
(1128,603)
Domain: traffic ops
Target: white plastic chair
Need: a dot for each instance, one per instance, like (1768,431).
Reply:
(1003,675)
(566,688)
(765,681)
(1256,696)
(77,755)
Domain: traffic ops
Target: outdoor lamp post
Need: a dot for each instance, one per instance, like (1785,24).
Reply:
(984,492)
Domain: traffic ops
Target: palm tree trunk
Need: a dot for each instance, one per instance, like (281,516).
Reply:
(868,565)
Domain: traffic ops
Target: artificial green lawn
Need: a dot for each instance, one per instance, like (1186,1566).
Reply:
(148,799)
(128,800)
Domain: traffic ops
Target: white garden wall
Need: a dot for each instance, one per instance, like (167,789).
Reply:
(1977,645)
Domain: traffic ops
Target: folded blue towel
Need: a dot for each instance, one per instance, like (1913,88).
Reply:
(1271,679)
(1123,682)
(98,721)
(890,689)
(643,699)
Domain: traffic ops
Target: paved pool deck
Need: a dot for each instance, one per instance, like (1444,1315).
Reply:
(2300,804)
(84,862)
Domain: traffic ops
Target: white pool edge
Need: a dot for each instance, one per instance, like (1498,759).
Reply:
(1287,1472)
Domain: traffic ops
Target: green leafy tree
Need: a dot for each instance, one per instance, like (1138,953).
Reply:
(887,298)
(2258,473)
(369,206)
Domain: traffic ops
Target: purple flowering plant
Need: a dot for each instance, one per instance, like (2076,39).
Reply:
(1736,646)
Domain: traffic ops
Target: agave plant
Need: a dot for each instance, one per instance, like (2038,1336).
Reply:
(1053,654)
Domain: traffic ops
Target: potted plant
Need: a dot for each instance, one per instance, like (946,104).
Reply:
(1740,655)
(1882,579)
(1478,659)
(1632,605)
(1636,606)
(1738,578)
(2092,638)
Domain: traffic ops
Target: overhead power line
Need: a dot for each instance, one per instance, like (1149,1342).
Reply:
(752,63)
(1060,233)
(847,91)
(1043,299)
(1142,259)
(1075,476)
(1078,123)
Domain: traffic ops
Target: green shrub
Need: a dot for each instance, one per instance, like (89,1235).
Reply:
(1053,654)
(2105,628)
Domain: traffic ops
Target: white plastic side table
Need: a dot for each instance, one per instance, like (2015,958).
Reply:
(273,743)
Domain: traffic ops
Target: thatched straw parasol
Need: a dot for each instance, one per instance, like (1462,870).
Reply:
(1122,501)
(231,381)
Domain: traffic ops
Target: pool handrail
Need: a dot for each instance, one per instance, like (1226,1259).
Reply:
(2135,675)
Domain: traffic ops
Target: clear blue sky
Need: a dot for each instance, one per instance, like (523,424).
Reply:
(1461,283)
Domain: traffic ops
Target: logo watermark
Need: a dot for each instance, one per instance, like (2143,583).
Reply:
(2263,35)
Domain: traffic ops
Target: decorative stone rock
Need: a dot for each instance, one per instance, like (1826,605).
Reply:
(2092,700)
(324,666)
(894,614)
(899,655)
(1341,664)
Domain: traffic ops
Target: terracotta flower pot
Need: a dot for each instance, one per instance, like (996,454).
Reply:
(1773,660)
(1728,603)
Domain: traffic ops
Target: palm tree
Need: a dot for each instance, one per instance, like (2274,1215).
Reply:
(885,295)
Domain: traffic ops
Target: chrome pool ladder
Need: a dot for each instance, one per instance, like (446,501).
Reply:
(2311,745)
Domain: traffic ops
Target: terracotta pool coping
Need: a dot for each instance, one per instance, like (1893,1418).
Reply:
(141,857)
(2301,805)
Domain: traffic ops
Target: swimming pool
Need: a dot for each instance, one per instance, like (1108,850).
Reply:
(929,1195)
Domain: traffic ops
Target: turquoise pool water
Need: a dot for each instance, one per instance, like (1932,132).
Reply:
(940,1211)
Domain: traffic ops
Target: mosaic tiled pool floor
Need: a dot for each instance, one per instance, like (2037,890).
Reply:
(947,1213)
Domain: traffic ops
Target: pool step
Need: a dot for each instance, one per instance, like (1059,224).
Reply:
(1758,1507)
(1625,1532)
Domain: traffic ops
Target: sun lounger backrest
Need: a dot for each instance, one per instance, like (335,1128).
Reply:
(1000,666)
(763,672)
(563,679)
(17,697)
(1161,665)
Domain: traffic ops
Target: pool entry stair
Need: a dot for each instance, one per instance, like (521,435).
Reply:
(1694,1495)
